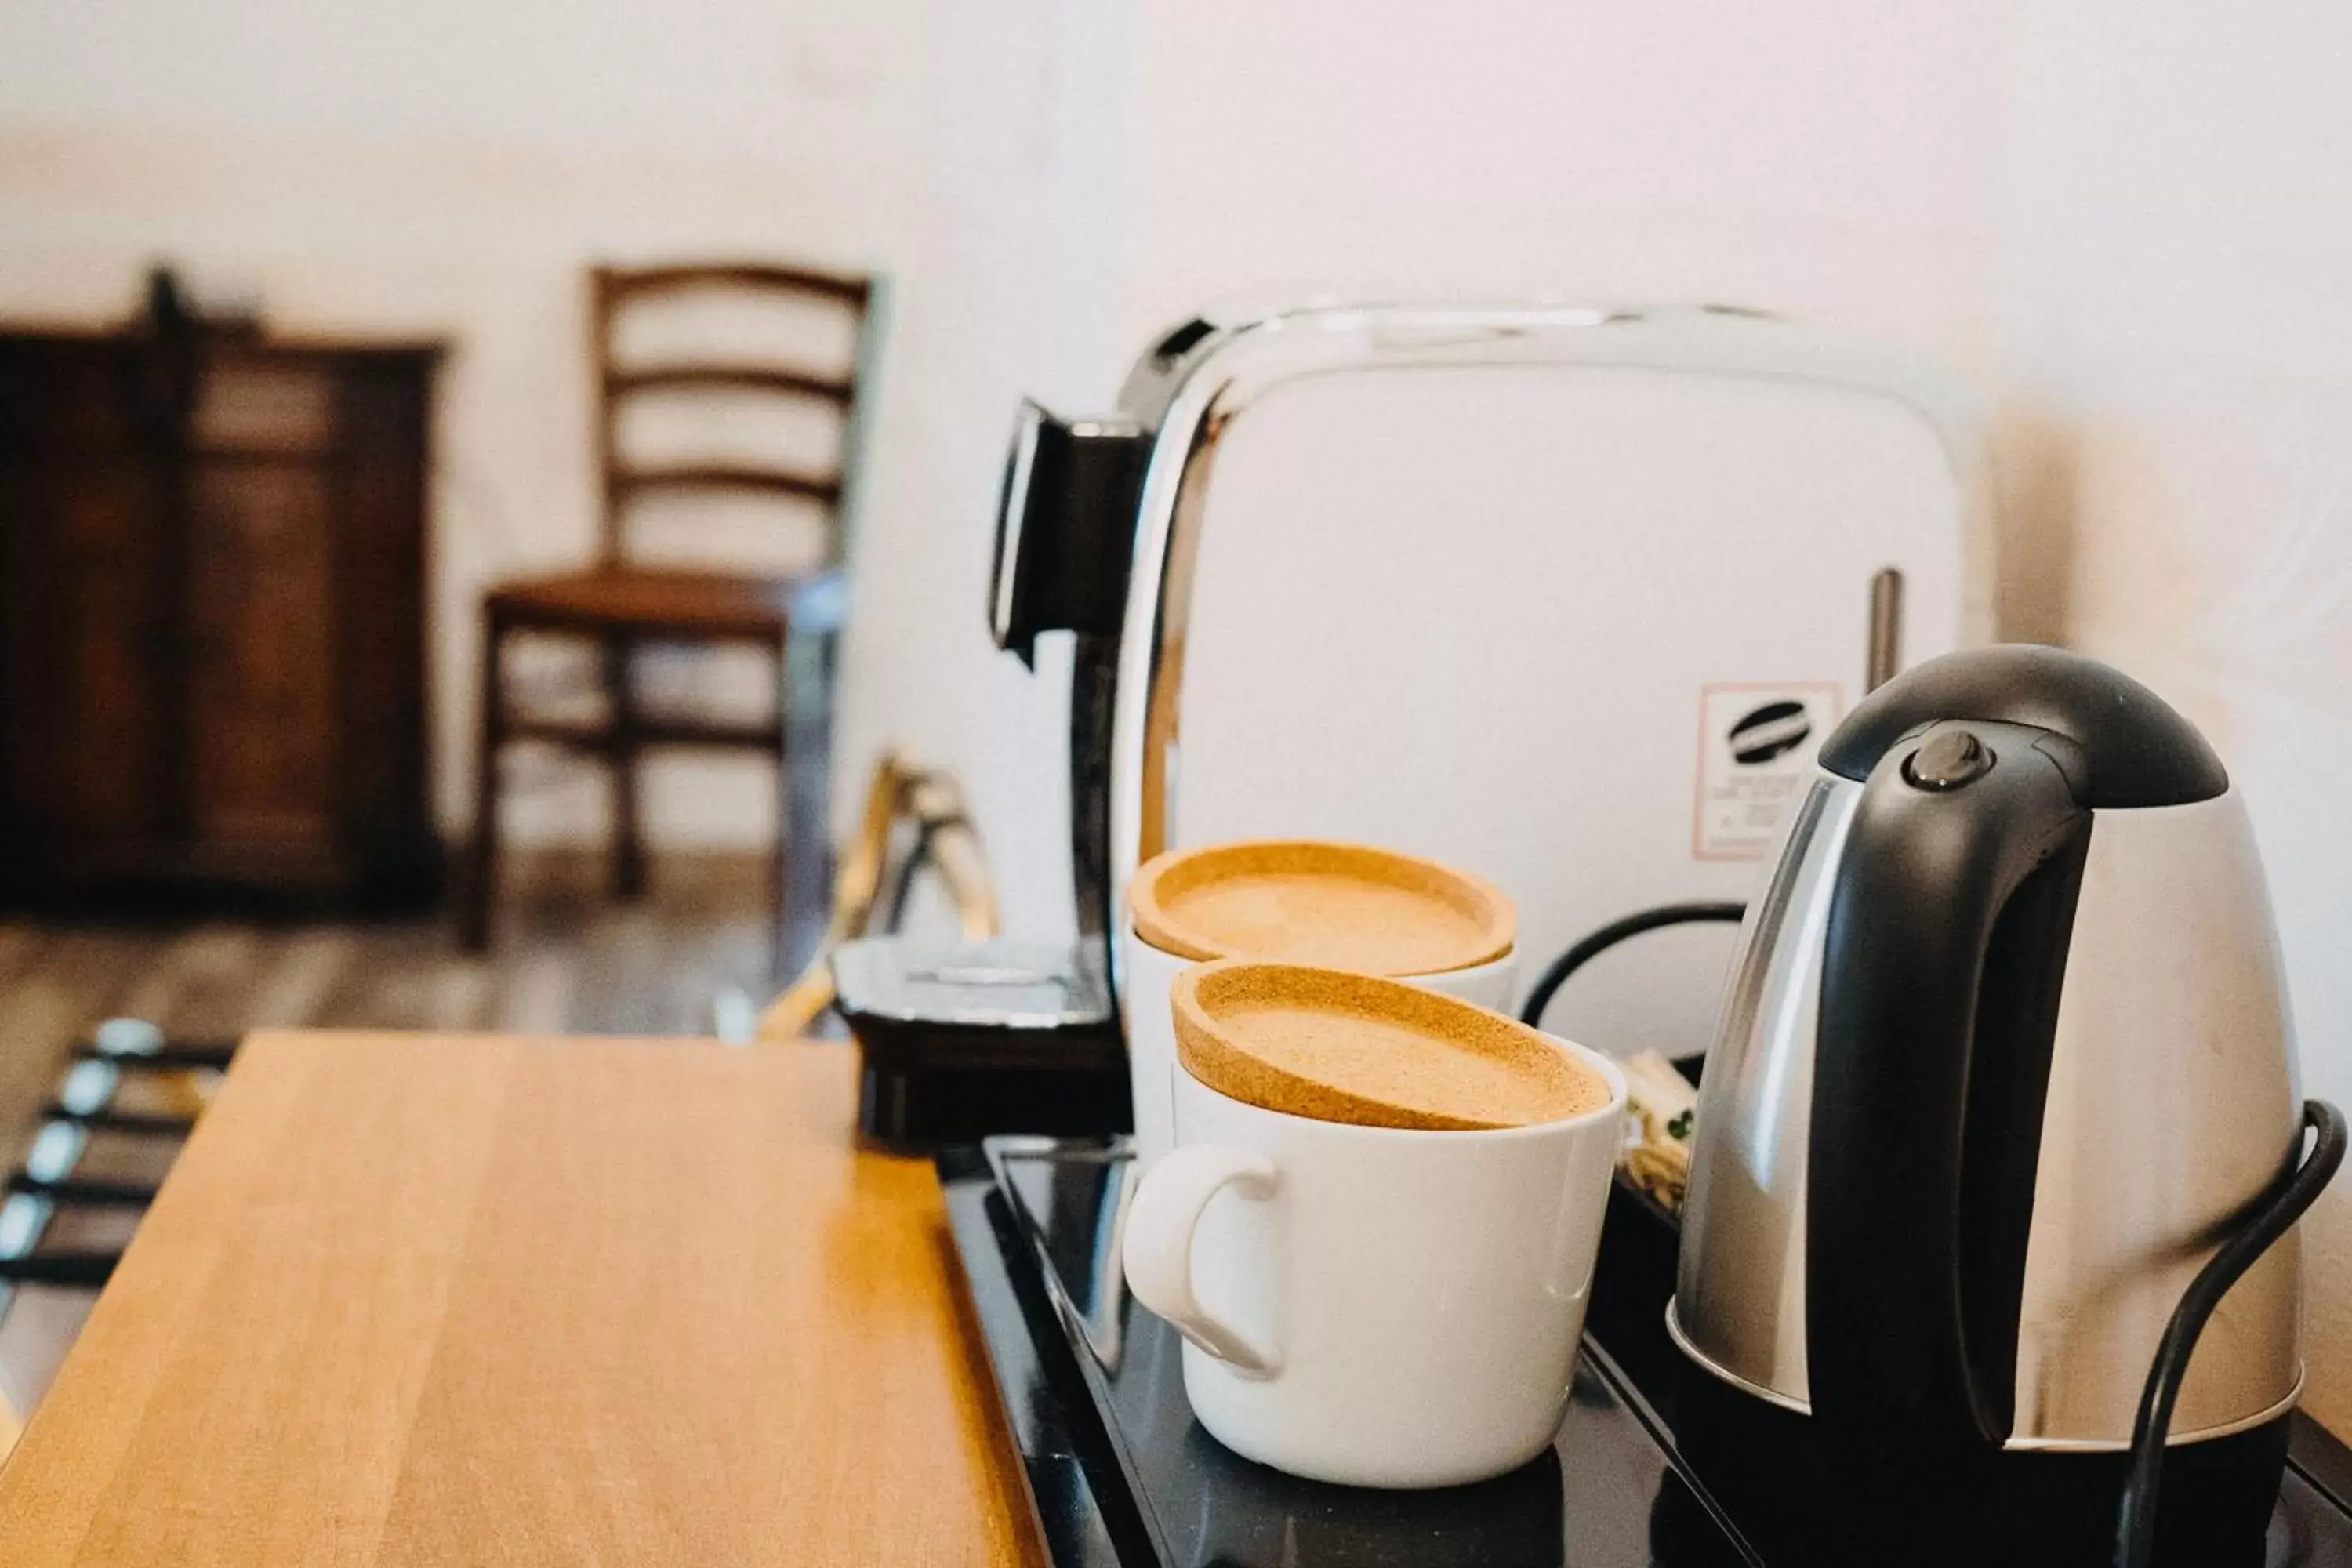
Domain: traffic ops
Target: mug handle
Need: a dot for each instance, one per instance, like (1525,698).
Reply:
(1158,1247)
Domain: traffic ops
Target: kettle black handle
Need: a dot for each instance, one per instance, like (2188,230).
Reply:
(1949,921)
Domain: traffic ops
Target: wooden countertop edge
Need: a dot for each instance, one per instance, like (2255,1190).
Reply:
(173,1439)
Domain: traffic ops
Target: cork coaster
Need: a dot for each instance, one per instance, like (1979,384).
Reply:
(1341,906)
(1336,1047)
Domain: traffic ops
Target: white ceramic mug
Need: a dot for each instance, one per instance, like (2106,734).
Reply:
(1375,1306)
(1147,973)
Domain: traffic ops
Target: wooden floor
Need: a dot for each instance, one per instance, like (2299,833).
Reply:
(568,959)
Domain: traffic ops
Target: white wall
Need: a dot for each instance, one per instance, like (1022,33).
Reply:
(1012,291)
(2176,210)
(1828,155)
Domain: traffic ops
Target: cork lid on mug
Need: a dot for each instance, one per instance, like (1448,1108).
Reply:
(1335,1047)
(1345,906)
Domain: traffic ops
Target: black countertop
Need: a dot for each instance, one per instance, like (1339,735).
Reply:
(1123,1476)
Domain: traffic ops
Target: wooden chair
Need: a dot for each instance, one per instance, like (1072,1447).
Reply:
(621,603)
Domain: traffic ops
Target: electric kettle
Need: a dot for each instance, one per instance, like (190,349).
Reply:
(2003,1099)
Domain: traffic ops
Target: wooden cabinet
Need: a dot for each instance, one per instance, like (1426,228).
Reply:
(213,667)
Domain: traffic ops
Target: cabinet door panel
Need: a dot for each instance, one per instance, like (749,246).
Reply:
(262,672)
(380,557)
(88,614)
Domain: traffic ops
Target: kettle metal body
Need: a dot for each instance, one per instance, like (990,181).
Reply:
(2005,1054)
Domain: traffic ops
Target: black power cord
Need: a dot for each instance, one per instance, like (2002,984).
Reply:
(1608,936)
(2276,1210)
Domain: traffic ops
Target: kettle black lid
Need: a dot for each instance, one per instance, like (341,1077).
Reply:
(2136,749)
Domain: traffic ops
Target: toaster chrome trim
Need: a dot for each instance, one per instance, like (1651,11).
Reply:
(1192,396)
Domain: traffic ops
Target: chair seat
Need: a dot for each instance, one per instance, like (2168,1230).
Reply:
(705,604)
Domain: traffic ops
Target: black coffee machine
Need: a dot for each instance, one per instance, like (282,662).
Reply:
(1221,506)
(1489,502)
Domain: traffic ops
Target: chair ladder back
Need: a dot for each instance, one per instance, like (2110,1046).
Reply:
(621,480)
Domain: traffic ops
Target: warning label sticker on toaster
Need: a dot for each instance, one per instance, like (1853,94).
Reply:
(1756,747)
